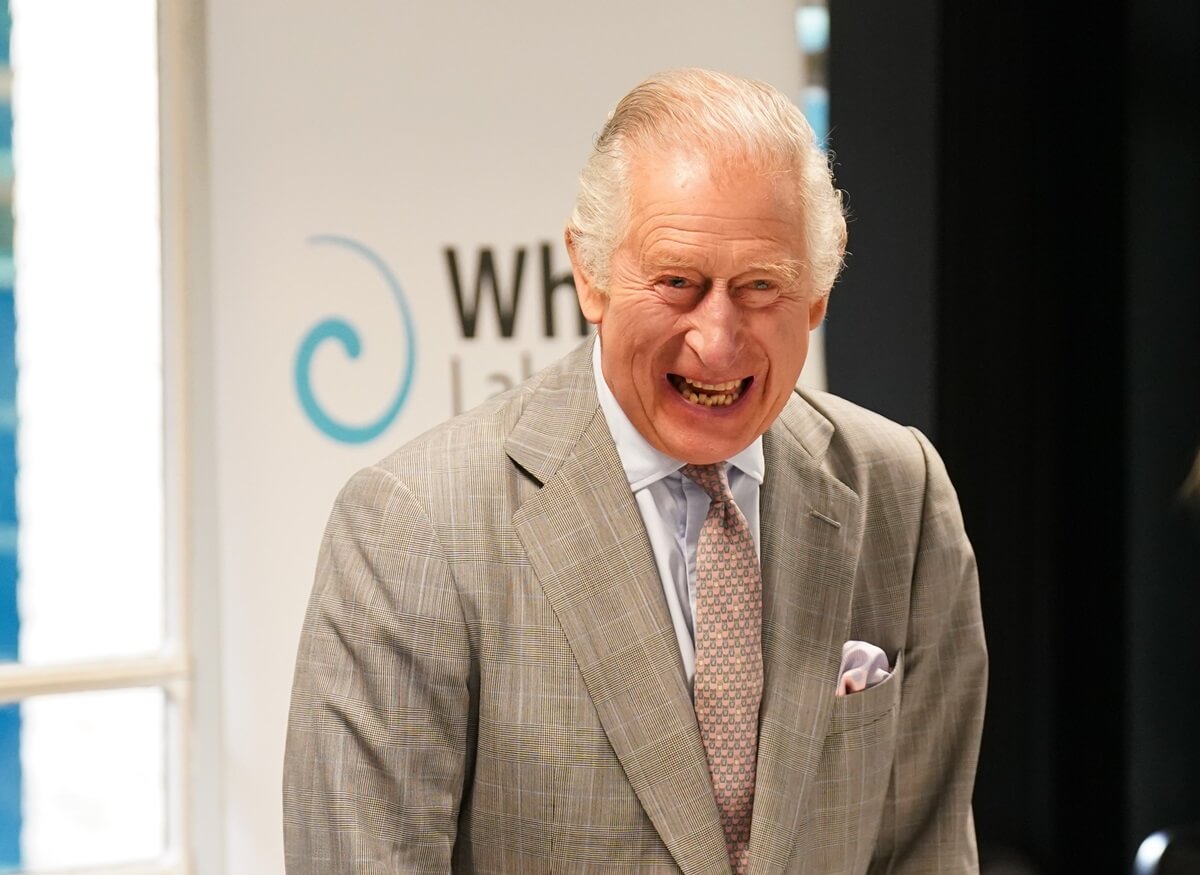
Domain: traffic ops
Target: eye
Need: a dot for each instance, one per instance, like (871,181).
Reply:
(760,286)
(674,285)
(759,292)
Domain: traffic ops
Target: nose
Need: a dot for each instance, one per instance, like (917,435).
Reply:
(715,332)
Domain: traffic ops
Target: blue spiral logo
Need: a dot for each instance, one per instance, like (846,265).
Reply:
(344,333)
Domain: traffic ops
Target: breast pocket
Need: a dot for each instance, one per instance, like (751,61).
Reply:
(870,705)
(853,776)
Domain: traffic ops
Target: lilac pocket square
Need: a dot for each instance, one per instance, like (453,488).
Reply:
(863,665)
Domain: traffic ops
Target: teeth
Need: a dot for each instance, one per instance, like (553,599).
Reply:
(714,387)
(711,394)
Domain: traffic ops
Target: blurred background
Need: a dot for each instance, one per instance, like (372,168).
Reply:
(248,246)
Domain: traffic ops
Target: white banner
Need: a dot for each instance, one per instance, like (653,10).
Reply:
(390,182)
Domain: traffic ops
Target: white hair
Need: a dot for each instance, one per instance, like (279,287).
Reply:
(716,115)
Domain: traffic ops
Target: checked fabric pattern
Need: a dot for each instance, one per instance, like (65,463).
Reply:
(729,669)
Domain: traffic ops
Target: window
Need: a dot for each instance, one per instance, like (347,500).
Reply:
(94,678)
(812,39)
(812,35)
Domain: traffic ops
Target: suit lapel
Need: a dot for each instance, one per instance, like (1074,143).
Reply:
(810,541)
(587,544)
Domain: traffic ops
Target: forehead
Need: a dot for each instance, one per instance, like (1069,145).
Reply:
(683,172)
(685,203)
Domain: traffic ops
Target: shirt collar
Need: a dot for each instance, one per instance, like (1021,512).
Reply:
(643,463)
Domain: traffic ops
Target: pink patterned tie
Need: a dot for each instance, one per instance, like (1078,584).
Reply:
(729,671)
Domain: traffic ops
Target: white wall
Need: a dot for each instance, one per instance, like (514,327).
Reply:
(406,127)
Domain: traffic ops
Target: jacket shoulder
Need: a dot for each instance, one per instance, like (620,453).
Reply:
(471,439)
(476,458)
(868,451)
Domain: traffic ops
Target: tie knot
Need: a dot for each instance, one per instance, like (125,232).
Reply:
(711,478)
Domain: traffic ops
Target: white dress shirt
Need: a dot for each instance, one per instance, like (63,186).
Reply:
(673,508)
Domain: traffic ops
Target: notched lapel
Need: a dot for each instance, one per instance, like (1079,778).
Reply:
(587,544)
(811,535)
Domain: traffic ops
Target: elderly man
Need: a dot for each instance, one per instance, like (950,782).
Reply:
(654,610)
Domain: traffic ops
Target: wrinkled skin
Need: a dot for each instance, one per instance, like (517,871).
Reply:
(708,287)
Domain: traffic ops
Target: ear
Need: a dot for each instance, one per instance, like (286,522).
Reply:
(591,300)
(816,311)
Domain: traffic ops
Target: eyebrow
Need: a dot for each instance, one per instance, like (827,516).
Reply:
(790,269)
(668,262)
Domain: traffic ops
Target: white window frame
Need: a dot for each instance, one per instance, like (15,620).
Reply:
(190,430)
(191,687)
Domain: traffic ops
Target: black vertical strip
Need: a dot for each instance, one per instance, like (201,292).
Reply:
(1080,104)
(1163,383)
(883,134)
(1031,409)
(995,400)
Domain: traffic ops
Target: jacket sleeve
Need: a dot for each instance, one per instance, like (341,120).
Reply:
(378,732)
(927,824)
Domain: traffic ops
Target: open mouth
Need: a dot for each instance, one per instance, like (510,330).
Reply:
(710,394)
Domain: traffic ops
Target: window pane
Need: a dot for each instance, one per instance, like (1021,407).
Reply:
(10,787)
(88,329)
(92,776)
(812,35)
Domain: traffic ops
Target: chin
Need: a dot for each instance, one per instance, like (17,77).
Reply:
(705,453)
(703,435)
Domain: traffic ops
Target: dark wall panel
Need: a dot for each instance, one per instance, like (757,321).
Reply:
(880,329)
(1023,179)
(1163,386)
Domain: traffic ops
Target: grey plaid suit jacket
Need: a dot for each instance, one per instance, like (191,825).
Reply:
(488,680)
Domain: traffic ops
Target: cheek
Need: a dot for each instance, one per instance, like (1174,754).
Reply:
(787,354)
(645,331)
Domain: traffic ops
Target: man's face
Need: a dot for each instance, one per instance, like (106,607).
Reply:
(705,326)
